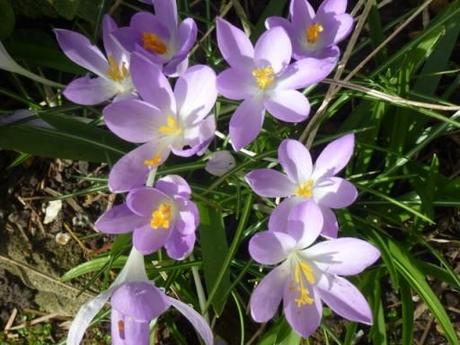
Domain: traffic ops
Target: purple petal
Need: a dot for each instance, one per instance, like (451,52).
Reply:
(220,163)
(330,53)
(301,14)
(234,45)
(344,299)
(133,120)
(151,84)
(278,220)
(188,217)
(304,319)
(119,219)
(196,138)
(166,11)
(143,201)
(141,301)
(80,50)
(126,331)
(148,240)
(246,123)
(90,91)
(186,36)
(305,222)
(198,322)
(274,21)
(333,256)
(270,183)
(330,225)
(196,93)
(305,72)
(271,247)
(180,246)
(131,170)
(147,22)
(334,192)
(177,66)
(273,48)
(288,105)
(335,156)
(108,26)
(235,83)
(174,185)
(267,295)
(295,159)
(345,26)
(333,6)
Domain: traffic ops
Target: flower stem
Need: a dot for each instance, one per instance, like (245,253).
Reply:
(199,290)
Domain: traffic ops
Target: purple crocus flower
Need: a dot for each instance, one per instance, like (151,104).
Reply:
(113,79)
(262,77)
(160,216)
(160,37)
(304,181)
(315,35)
(306,275)
(135,302)
(165,120)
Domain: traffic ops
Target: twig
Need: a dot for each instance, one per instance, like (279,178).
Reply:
(11,319)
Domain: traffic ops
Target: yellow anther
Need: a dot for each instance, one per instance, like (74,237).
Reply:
(313,32)
(303,271)
(153,162)
(153,43)
(305,190)
(264,77)
(171,127)
(161,217)
(116,72)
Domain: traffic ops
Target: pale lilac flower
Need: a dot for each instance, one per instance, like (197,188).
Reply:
(262,77)
(112,69)
(160,216)
(160,37)
(135,302)
(220,163)
(165,120)
(315,35)
(304,181)
(306,275)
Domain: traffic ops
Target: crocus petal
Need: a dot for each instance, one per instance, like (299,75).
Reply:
(301,13)
(119,219)
(334,192)
(90,91)
(267,295)
(335,156)
(177,66)
(109,26)
(295,159)
(198,322)
(186,36)
(128,37)
(333,256)
(271,247)
(278,220)
(166,10)
(234,45)
(188,216)
(246,123)
(344,299)
(304,319)
(332,6)
(273,48)
(305,72)
(220,163)
(305,222)
(140,300)
(270,183)
(147,22)
(197,138)
(143,201)
(180,246)
(85,315)
(345,25)
(330,225)
(130,171)
(127,331)
(151,84)
(274,21)
(174,185)
(80,50)
(196,93)
(288,105)
(235,83)
(133,120)
(148,240)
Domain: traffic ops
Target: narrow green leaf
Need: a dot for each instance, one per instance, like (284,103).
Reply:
(7,19)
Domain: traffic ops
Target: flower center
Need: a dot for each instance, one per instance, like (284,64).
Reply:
(264,77)
(171,127)
(313,32)
(116,72)
(305,190)
(153,43)
(303,272)
(153,162)
(161,217)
